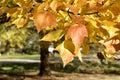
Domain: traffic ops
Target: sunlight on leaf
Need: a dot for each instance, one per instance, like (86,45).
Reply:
(19,2)
(77,34)
(20,22)
(110,27)
(56,5)
(53,36)
(78,54)
(109,47)
(72,8)
(44,19)
(112,45)
(65,54)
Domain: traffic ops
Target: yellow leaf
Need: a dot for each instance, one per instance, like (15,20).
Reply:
(56,5)
(65,54)
(92,21)
(110,27)
(78,54)
(53,36)
(3,10)
(20,22)
(115,7)
(19,2)
(108,15)
(85,47)
(63,14)
(104,32)
(69,45)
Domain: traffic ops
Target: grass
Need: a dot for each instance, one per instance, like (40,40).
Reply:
(18,69)
(89,67)
(73,67)
(20,56)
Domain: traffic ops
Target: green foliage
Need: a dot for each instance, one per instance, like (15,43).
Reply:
(25,39)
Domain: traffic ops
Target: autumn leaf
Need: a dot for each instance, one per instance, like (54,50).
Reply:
(72,8)
(112,46)
(20,2)
(109,47)
(94,5)
(44,19)
(85,47)
(78,19)
(56,5)
(115,8)
(104,32)
(20,22)
(117,46)
(69,45)
(116,43)
(110,27)
(65,54)
(77,53)
(117,26)
(77,34)
(53,36)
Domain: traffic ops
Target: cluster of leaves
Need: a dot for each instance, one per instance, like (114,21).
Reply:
(12,34)
(19,39)
(80,22)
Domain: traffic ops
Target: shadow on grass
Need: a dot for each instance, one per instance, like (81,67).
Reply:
(87,67)
(18,69)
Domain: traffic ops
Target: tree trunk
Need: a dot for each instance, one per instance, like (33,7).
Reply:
(44,67)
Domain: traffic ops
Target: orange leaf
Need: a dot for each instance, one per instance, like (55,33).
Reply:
(112,46)
(66,56)
(116,44)
(77,19)
(109,47)
(44,19)
(117,47)
(77,34)
(56,5)
(72,8)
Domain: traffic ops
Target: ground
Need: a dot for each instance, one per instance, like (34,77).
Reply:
(75,70)
(63,76)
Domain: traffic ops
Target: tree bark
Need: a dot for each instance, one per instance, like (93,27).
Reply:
(44,66)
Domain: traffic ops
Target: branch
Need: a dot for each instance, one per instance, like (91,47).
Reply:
(69,12)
